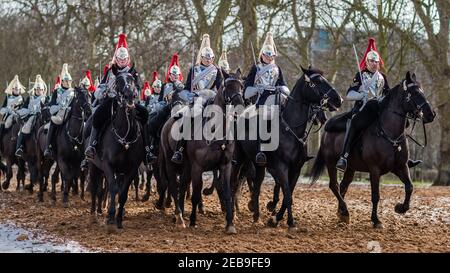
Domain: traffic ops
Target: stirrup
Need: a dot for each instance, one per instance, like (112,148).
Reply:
(19,152)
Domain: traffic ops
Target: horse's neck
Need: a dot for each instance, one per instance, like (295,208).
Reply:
(296,113)
(393,118)
(123,122)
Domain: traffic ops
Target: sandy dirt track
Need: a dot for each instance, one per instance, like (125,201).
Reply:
(424,228)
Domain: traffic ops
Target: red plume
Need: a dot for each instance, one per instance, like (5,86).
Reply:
(146,86)
(176,61)
(122,41)
(57,83)
(88,75)
(371,46)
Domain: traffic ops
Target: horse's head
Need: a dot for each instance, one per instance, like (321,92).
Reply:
(413,99)
(126,89)
(317,90)
(233,88)
(81,101)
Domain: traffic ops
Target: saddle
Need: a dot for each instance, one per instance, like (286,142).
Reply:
(338,123)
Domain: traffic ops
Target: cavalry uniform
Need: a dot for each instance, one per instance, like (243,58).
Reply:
(367,90)
(13,101)
(203,81)
(33,104)
(264,80)
(60,102)
(105,94)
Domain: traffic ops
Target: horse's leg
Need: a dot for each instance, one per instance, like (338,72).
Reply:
(82,182)
(375,188)
(342,212)
(185,179)
(173,190)
(136,188)
(404,176)
(113,189)
(142,180)
(101,193)
(33,175)
(225,175)
(271,205)
(75,188)
(148,185)
(20,177)
(123,195)
(9,174)
(197,185)
(253,204)
(282,175)
(161,187)
(94,181)
(54,181)
(346,180)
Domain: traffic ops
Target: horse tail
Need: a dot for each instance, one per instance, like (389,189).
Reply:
(318,166)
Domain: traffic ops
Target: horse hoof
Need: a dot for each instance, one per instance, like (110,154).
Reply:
(111,228)
(40,199)
(159,206)
(272,222)
(293,229)
(179,222)
(93,219)
(343,217)
(167,204)
(378,225)
(400,208)
(201,210)
(208,191)
(53,203)
(250,206)
(270,206)
(230,230)
(65,204)
(5,185)
(145,198)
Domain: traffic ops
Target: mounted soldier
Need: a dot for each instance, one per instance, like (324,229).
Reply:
(203,81)
(88,84)
(105,94)
(146,94)
(264,80)
(13,101)
(173,80)
(33,105)
(59,107)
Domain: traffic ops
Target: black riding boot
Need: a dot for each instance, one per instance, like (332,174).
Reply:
(19,145)
(413,163)
(178,155)
(91,149)
(48,153)
(150,158)
(153,152)
(341,165)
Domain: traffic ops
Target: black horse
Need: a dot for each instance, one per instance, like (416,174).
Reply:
(69,143)
(380,149)
(201,156)
(31,150)
(120,151)
(8,147)
(285,163)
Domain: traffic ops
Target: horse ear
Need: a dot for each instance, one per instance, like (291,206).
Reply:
(413,77)
(238,73)
(303,69)
(225,74)
(408,77)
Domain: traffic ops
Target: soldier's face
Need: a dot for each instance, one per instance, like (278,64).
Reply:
(15,91)
(66,83)
(38,91)
(123,62)
(267,59)
(174,77)
(373,66)
(157,90)
(207,61)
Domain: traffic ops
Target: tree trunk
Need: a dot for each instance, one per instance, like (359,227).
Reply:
(247,16)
